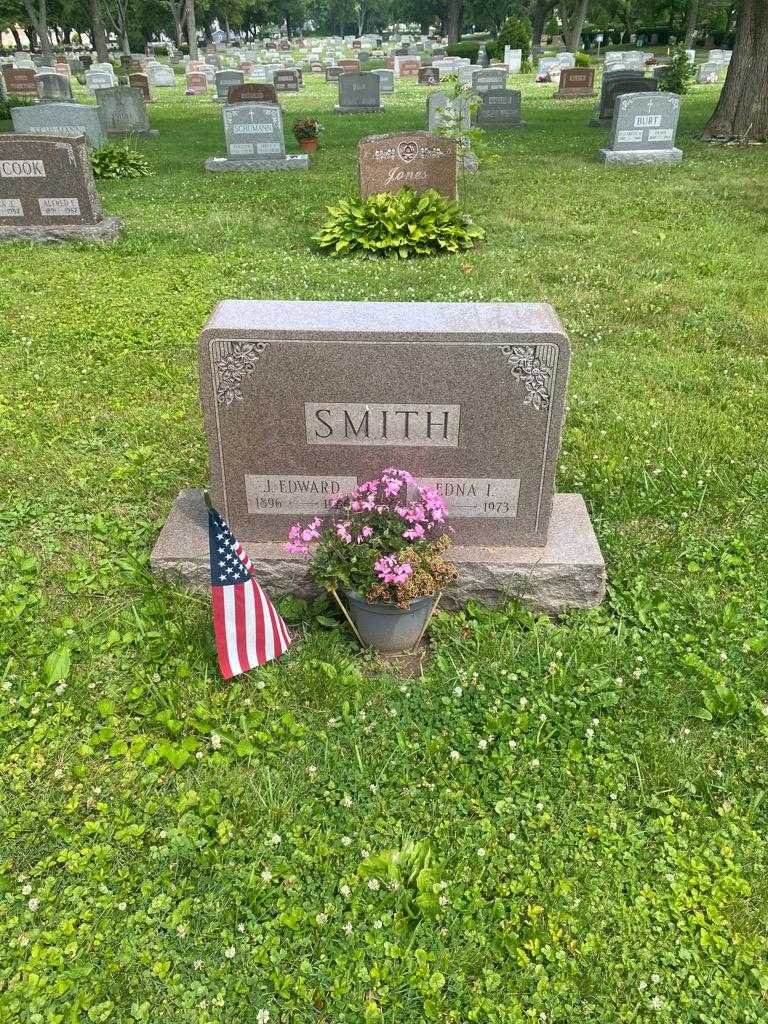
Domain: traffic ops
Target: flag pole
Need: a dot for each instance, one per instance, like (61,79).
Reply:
(207,499)
(346,616)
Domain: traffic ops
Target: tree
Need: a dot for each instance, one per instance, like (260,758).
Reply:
(454,20)
(573,22)
(98,31)
(177,13)
(742,110)
(192,30)
(540,13)
(690,23)
(38,15)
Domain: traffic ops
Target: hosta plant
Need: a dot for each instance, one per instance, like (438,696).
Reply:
(118,160)
(405,224)
(386,540)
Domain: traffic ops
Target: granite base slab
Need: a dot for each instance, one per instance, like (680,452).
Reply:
(289,163)
(575,94)
(151,133)
(641,156)
(503,127)
(568,572)
(106,230)
(357,110)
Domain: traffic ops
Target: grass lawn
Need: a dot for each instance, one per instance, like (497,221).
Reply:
(304,841)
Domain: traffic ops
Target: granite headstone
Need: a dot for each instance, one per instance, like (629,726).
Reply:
(644,128)
(68,119)
(255,142)
(500,108)
(387,163)
(123,111)
(576,83)
(359,93)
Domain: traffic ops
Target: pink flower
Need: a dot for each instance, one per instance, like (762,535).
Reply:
(342,529)
(390,570)
(295,544)
(312,532)
(364,534)
(415,533)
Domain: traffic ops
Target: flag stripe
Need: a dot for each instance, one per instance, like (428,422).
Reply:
(285,634)
(250,622)
(230,624)
(242,650)
(220,631)
(269,638)
(278,639)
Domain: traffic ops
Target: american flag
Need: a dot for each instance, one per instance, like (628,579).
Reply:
(249,632)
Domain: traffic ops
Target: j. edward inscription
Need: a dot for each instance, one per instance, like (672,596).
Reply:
(303,400)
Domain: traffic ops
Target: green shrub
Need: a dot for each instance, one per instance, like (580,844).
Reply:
(7,102)
(582,60)
(678,74)
(404,224)
(516,33)
(118,160)
(467,49)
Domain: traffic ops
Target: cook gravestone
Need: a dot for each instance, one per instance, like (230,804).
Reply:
(644,128)
(255,142)
(359,93)
(47,192)
(72,119)
(302,400)
(387,163)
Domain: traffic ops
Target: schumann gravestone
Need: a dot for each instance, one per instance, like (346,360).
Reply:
(386,163)
(47,192)
(301,400)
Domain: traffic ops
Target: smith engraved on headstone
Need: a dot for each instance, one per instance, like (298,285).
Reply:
(255,141)
(644,128)
(386,163)
(302,400)
(47,191)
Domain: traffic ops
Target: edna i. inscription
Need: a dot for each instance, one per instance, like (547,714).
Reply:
(302,400)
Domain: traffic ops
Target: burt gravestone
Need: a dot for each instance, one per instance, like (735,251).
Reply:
(70,119)
(47,191)
(359,93)
(387,163)
(302,400)
(644,128)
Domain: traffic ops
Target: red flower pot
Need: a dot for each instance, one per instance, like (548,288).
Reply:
(308,145)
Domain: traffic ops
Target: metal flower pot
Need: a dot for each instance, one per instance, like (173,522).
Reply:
(386,627)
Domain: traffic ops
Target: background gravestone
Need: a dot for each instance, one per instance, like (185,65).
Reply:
(287,81)
(197,83)
(141,81)
(644,128)
(47,191)
(359,93)
(161,76)
(301,400)
(20,81)
(67,119)
(438,103)
(612,85)
(224,82)
(255,142)
(387,163)
(500,108)
(253,92)
(429,76)
(386,80)
(123,111)
(54,88)
(576,83)
(488,78)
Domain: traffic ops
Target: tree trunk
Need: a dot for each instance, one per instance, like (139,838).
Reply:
(16,37)
(98,31)
(690,23)
(540,13)
(573,32)
(742,110)
(39,18)
(191,30)
(177,13)
(455,20)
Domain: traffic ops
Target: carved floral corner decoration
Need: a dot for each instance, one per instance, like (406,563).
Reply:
(535,375)
(236,362)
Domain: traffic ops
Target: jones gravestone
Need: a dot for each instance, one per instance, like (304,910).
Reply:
(387,163)
(301,400)
(47,192)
